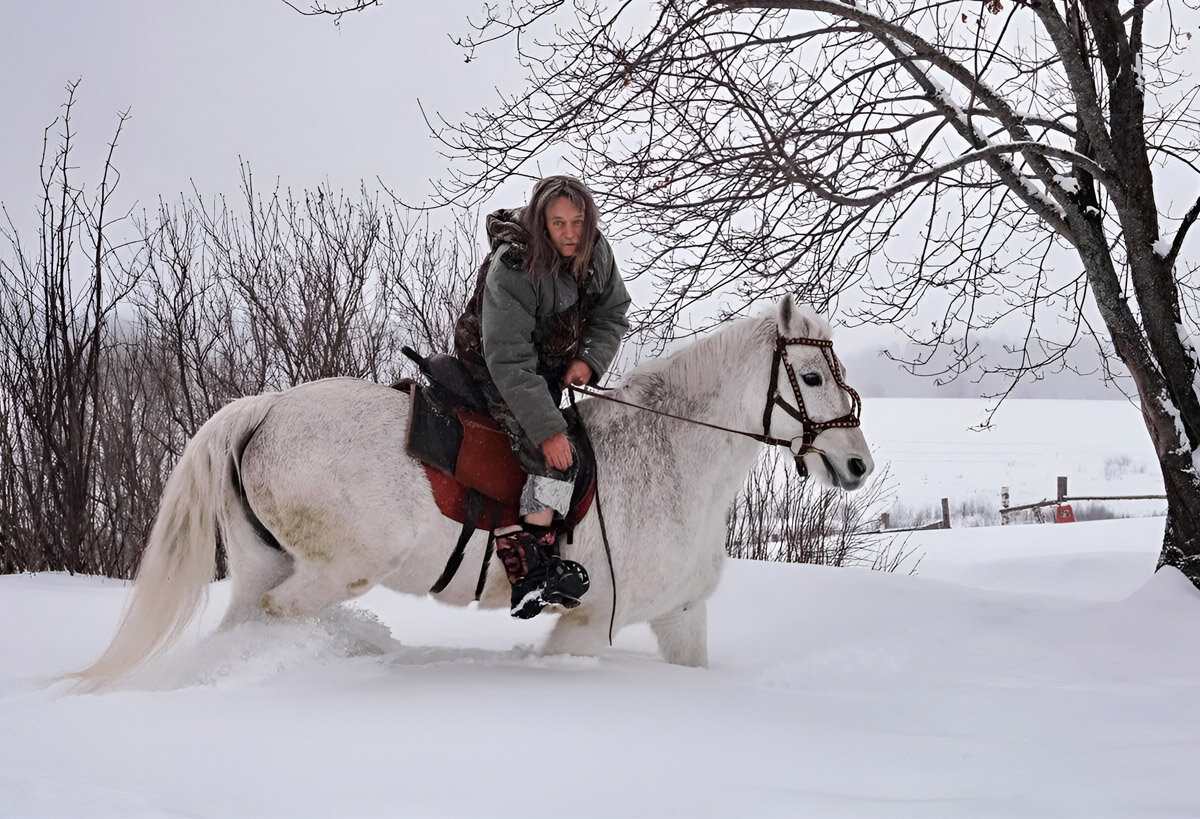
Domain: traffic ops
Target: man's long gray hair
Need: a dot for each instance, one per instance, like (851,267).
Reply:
(541,256)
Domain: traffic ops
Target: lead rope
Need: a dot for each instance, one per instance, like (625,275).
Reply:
(612,617)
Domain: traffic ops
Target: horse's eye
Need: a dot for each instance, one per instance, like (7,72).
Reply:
(811,379)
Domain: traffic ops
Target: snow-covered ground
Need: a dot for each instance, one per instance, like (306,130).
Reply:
(1023,671)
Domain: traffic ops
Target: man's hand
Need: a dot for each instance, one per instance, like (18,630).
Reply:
(557,450)
(578,373)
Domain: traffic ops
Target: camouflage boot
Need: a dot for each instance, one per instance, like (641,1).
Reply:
(539,576)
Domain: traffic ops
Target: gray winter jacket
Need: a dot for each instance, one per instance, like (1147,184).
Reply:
(522,331)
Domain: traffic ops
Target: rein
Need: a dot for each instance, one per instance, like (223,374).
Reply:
(811,428)
(612,573)
(592,392)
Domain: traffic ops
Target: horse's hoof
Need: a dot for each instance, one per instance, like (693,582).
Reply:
(270,606)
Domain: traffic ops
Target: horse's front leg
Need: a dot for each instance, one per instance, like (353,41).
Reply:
(683,635)
(582,631)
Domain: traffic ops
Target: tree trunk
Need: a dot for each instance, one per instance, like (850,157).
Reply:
(1169,413)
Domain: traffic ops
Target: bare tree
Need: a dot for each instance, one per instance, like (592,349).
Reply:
(955,167)
(118,340)
(57,300)
(304,272)
(427,276)
(284,289)
(138,446)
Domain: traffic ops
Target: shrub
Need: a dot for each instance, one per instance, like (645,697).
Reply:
(781,516)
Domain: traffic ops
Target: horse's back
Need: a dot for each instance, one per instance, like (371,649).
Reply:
(329,462)
(322,433)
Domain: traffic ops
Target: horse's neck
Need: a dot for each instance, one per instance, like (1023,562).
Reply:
(721,381)
(715,380)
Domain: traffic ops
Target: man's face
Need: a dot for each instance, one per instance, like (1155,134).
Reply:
(564,221)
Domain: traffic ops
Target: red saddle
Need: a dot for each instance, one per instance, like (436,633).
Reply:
(466,452)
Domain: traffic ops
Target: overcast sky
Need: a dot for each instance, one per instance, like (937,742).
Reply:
(210,81)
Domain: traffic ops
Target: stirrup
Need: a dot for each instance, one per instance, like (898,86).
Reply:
(566,582)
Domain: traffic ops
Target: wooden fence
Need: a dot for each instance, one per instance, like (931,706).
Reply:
(944,523)
(1063,513)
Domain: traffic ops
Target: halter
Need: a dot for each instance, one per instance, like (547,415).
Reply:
(811,428)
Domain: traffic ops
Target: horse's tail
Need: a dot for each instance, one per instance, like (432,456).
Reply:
(180,558)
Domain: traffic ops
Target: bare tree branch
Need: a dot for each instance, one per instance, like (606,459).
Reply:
(334,11)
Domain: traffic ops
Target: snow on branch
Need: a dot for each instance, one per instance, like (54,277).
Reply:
(991,150)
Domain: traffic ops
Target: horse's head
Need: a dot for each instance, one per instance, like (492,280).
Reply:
(809,403)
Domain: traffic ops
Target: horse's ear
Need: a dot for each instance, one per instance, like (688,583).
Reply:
(786,311)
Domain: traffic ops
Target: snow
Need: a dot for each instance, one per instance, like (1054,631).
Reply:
(1067,182)
(1022,671)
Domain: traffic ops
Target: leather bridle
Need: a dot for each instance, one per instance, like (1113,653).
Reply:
(811,428)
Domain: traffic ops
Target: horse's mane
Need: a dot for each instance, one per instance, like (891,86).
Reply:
(704,366)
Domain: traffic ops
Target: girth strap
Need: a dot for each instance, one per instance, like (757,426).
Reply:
(487,551)
(474,504)
(487,558)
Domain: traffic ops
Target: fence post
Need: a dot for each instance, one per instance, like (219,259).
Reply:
(1062,487)
(1004,506)
(884,519)
(945,513)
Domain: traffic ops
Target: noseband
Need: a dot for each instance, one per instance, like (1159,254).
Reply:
(811,428)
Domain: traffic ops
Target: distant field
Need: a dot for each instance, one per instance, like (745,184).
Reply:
(933,452)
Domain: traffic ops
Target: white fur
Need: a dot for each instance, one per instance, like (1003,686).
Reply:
(325,472)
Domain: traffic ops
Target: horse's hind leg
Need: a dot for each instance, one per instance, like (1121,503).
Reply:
(683,635)
(254,568)
(334,559)
(312,588)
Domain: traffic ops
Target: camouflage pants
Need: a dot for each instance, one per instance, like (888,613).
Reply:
(546,487)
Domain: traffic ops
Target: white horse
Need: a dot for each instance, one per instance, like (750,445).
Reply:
(322,466)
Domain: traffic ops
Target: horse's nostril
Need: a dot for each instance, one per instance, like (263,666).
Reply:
(858,467)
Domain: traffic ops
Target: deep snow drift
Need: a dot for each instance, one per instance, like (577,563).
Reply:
(1024,671)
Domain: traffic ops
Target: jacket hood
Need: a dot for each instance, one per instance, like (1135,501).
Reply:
(504,226)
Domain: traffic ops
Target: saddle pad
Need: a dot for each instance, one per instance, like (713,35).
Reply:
(434,432)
